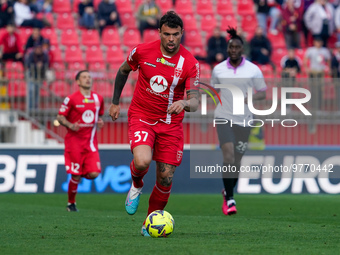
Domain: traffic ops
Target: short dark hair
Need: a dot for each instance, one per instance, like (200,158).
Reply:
(80,72)
(171,19)
(233,34)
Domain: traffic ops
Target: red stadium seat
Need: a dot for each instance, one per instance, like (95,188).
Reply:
(90,37)
(58,66)
(123,6)
(96,3)
(104,88)
(51,35)
(224,7)
(193,38)
(165,5)
(110,37)
(76,66)
(94,54)
(114,54)
(204,7)
(73,54)
(245,7)
(61,6)
(75,5)
(48,16)
(14,70)
(226,21)
(57,55)
(184,7)
(189,22)
(128,20)
(205,70)
(277,56)
(65,21)
(150,35)
(69,37)
(249,23)
(127,91)
(208,23)
(60,88)
(131,38)
(199,51)
(24,33)
(17,88)
(97,66)
(277,41)
(137,4)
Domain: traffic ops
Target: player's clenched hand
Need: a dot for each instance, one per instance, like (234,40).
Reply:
(75,126)
(100,123)
(114,111)
(176,107)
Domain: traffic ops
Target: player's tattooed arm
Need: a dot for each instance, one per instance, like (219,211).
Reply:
(165,173)
(63,121)
(120,81)
(189,105)
(121,78)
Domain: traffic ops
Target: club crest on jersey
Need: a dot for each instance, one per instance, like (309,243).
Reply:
(158,83)
(88,116)
(179,155)
(178,72)
(165,62)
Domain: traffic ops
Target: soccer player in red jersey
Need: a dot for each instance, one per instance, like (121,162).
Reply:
(166,70)
(80,113)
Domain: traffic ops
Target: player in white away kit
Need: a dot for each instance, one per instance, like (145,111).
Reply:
(234,138)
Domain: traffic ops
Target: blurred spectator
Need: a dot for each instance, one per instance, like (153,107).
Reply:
(36,64)
(34,39)
(24,17)
(292,22)
(86,14)
(336,61)
(319,59)
(11,47)
(6,12)
(246,46)
(319,20)
(260,48)
(217,47)
(304,5)
(46,46)
(44,6)
(268,8)
(290,68)
(108,14)
(337,22)
(148,15)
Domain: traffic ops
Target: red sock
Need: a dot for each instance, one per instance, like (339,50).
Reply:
(159,197)
(72,190)
(137,175)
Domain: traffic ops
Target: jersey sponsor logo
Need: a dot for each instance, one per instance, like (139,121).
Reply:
(149,64)
(80,105)
(178,72)
(131,53)
(179,155)
(165,62)
(86,100)
(66,100)
(88,116)
(158,83)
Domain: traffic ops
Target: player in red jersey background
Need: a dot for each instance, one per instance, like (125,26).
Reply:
(166,70)
(80,113)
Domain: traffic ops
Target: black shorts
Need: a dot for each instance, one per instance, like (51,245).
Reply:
(236,134)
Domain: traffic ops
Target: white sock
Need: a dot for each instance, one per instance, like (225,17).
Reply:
(231,201)
(134,192)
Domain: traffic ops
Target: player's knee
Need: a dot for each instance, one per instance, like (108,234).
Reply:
(229,158)
(142,163)
(93,175)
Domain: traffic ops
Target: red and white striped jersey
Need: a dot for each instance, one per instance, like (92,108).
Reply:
(162,80)
(85,110)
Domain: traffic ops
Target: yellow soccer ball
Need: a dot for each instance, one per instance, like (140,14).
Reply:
(159,224)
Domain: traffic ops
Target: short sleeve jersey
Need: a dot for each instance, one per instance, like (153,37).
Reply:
(246,75)
(85,110)
(162,80)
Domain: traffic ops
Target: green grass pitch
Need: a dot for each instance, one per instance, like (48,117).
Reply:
(265,224)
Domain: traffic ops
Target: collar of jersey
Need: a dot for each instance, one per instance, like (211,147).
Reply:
(231,67)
